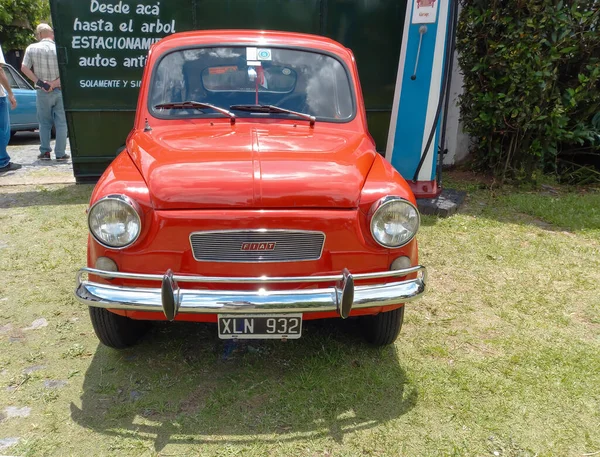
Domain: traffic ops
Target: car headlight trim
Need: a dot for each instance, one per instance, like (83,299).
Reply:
(115,221)
(394,221)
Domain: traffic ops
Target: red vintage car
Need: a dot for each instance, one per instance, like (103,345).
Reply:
(250,195)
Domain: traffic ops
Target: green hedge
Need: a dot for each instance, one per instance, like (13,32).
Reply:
(531,82)
(18,19)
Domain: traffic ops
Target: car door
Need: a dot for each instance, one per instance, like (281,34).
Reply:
(24,116)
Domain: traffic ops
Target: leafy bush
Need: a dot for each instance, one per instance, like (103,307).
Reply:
(532,82)
(18,19)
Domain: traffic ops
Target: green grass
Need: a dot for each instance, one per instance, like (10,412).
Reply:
(501,357)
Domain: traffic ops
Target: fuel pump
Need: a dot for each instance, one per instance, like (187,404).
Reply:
(416,138)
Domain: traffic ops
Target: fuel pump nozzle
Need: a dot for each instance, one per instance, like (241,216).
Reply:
(422,31)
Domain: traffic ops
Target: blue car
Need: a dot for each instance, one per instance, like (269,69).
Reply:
(24,117)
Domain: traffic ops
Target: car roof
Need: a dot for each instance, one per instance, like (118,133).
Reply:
(255,38)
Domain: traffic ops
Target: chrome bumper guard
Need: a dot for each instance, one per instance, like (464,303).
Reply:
(171,300)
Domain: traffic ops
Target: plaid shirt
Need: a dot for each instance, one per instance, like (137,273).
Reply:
(41,58)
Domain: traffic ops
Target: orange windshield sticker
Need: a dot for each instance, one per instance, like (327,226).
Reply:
(221,70)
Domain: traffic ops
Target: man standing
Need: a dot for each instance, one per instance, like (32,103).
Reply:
(41,66)
(6,97)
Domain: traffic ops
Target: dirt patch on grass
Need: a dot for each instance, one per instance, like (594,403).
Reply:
(254,402)
(198,398)
(590,321)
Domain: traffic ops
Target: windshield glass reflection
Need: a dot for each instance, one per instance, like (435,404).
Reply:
(302,81)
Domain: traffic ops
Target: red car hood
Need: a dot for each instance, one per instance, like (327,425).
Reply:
(250,166)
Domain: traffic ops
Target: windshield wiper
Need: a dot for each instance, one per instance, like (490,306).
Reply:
(273,109)
(193,104)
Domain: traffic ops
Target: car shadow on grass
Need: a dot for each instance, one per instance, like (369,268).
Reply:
(184,386)
(72,194)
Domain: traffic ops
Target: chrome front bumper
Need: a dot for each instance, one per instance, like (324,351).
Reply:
(171,300)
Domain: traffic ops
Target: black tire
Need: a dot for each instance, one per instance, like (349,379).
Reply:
(116,331)
(383,328)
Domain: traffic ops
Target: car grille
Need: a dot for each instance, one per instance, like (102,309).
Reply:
(257,246)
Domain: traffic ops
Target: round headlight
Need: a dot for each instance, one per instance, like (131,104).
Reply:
(115,221)
(394,222)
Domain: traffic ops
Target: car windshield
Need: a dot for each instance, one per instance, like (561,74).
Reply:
(298,80)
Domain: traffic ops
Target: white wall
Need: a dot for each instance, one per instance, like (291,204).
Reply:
(457,141)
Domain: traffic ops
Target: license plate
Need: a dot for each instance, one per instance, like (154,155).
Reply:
(260,326)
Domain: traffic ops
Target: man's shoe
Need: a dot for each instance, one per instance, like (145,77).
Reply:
(44,156)
(10,167)
(62,158)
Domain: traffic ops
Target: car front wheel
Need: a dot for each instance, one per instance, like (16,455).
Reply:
(116,331)
(383,328)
